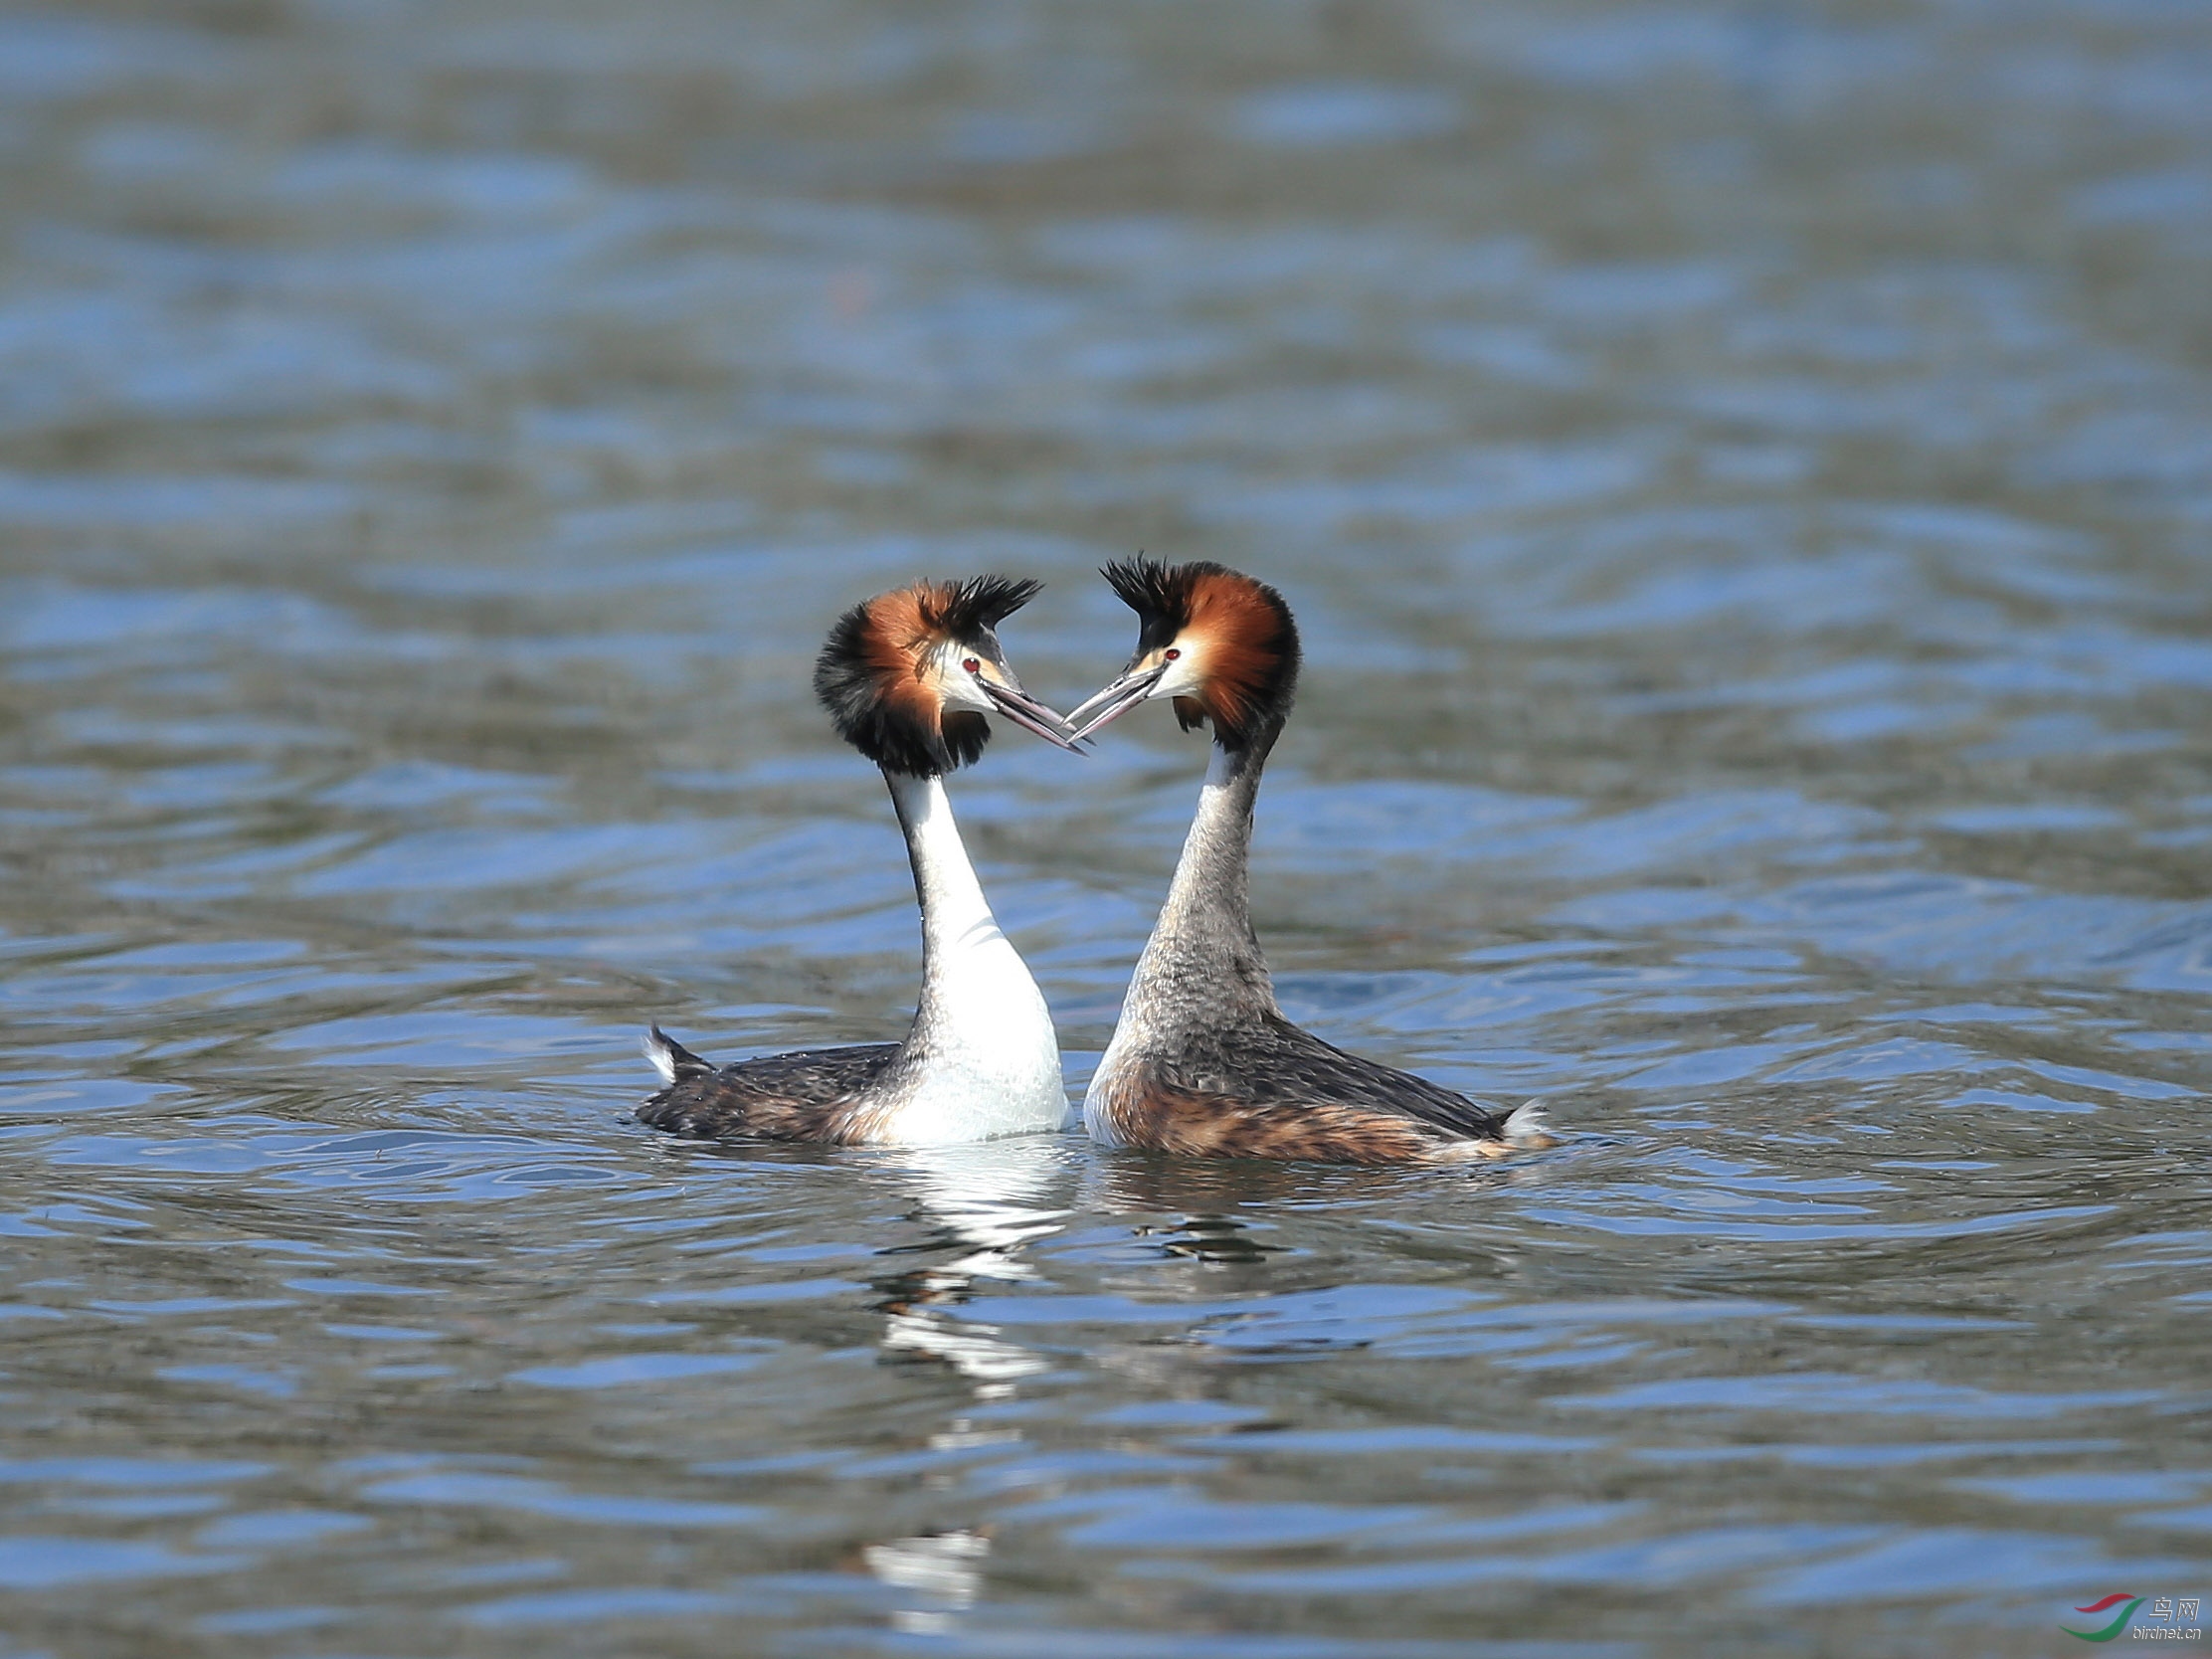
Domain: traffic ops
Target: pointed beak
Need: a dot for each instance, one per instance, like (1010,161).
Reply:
(1030,715)
(1115,700)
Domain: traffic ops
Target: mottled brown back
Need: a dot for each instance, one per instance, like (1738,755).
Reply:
(810,1095)
(1150,1112)
(1268,1089)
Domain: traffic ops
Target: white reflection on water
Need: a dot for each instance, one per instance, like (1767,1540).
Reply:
(944,1567)
(995,1200)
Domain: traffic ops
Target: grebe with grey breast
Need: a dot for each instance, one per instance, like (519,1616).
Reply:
(1202,1061)
(908,678)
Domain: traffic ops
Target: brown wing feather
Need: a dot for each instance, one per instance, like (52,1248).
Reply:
(1280,1061)
(809,1095)
(1273,1090)
(1160,1118)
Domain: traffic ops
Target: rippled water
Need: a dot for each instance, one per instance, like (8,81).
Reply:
(1746,474)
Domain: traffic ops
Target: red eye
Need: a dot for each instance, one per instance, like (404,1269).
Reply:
(1171,653)
(972,666)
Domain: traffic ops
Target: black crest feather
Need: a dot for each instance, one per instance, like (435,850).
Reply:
(969,610)
(1159,594)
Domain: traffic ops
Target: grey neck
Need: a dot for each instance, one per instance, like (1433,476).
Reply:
(1204,957)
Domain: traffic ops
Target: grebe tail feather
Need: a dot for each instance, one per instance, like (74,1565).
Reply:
(672,1059)
(1527,1127)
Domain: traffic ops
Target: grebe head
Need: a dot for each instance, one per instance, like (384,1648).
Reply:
(909,675)
(1218,643)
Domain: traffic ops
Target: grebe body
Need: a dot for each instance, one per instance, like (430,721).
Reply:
(909,678)
(1202,1061)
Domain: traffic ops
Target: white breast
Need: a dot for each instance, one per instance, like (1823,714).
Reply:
(993,1065)
(989,1060)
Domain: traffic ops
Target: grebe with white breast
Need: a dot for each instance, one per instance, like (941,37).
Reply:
(1202,1061)
(909,678)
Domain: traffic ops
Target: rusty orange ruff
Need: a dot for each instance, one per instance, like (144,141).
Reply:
(1233,628)
(903,627)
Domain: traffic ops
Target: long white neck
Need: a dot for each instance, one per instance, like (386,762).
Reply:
(954,913)
(982,1058)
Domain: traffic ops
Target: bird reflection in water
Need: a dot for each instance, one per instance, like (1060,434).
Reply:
(990,1202)
(1215,1238)
(1196,1204)
(942,1571)
(987,1205)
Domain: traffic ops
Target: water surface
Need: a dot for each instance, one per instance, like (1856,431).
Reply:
(1745,476)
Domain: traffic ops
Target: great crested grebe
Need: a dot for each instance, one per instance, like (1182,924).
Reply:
(1202,1061)
(908,677)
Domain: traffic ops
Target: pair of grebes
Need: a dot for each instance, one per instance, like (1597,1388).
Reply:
(1202,1061)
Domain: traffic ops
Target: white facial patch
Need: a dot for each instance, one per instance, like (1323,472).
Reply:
(1185,675)
(961,689)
